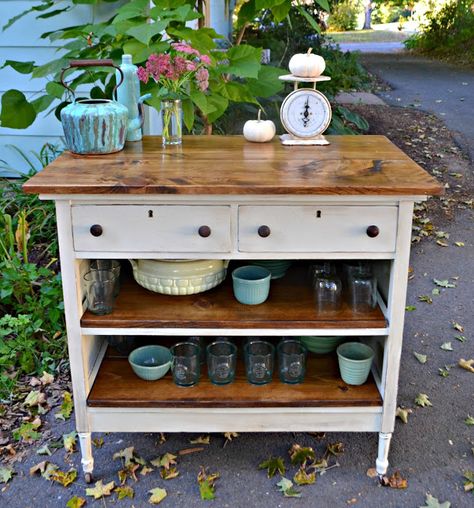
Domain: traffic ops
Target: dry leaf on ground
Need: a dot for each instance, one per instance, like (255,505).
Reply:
(432,502)
(422,400)
(100,490)
(467,364)
(273,465)
(157,495)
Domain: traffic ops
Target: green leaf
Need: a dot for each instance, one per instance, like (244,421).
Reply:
(42,103)
(267,82)
(300,454)
(21,67)
(469,476)
(51,67)
(312,22)
(444,283)
(236,92)
(6,474)
(280,12)
(247,13)
(446,346)
(44,450)
(140,52)
(69,441)
(66,407)
(244,61)
(421,358)
(17,112)
(188,113)
(303,478)
(55,89)
(353,118)
(469,420)
(286,486)
(324,4)
(157,495)
(203,39)
(131,10)
(50,14)
(422,400)
(410,308)
(124,491)
(273,465)
(26,432)
(200,99)
(144,33)
(219,103)
(432,502)
(76,502)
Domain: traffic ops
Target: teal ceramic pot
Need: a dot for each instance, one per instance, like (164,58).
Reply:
(251,284)
(277,267)
(94,126)
(355,361)
(321,345)
(150,362)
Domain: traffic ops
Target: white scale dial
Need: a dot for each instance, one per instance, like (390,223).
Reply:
(305,113)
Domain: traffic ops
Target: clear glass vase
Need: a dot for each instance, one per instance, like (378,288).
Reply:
(172,118)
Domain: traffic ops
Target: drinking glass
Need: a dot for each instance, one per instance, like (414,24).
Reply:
(100,286)
(259,360)
(221,362)
(291,361)
(328,292)
(199,341)
(362,292)
(319,269)
(351,267)
(108,264)
(185,366)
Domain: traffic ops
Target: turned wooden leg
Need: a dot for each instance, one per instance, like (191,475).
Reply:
(381,464)
(87,461)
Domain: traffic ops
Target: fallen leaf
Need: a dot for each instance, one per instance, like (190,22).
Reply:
(459,244)
(469,483)
(286,486)
(45,468)
(66,407)
(206,484)
(124,491)
(169,474)
(460,338)
(128,472)
(303,478)
(410,308)
(35,398)
(443,372)
(157,495)
(444,283)
(46,378)
(273,465)
(27,432)
(69,441)
(435,291)
(403,413)
(127,454)
(162,438)
(426,299)
(432,502)
(299,454)
(167,460)
(6,474)
(146,470)
(458,327)
(467,364)
(100,490)
(201,440)
(469,420)
(422,400)
(65,479)
(421,358)
(446,346)
(76,502)
(229,436)
(98,442)
(372,472)
(442,243)
(335,449)
(396,481)
(44,450)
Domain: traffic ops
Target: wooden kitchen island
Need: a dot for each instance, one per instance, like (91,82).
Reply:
(350,200)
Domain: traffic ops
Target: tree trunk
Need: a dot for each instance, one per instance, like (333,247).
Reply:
(368,16)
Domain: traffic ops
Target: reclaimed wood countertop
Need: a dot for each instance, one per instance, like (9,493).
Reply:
(220,165)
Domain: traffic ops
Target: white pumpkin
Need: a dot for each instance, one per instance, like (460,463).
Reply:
(307,65)
(259,131)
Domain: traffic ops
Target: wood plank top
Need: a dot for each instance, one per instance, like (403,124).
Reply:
(220,165)
(117,386)
(290,305)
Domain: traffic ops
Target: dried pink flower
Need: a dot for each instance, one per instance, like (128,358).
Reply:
(202,79)
(205,60)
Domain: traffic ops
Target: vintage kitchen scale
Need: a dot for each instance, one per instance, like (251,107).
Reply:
(305,113)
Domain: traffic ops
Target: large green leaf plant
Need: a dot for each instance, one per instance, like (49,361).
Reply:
(140,28)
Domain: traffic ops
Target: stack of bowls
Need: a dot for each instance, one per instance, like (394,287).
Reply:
(277,267)
(150,362)
(321,345)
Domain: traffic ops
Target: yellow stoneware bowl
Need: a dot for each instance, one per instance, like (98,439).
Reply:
(179,276)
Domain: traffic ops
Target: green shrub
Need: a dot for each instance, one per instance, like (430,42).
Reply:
(447,32)
(343,16)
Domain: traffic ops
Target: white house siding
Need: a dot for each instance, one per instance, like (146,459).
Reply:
(22,42)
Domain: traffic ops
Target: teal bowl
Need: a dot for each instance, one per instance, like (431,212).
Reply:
(321,345)
(251,284)
(150,362)
(355,361)
(277,267)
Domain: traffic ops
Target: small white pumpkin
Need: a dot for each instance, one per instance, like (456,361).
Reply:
(307,65)
(259,131)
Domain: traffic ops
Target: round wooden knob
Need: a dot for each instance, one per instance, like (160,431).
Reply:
(264,231)
(204,231)
(373,231)
(96,230)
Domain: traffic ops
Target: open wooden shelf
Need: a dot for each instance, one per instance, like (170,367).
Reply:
(289,306)
(117,386)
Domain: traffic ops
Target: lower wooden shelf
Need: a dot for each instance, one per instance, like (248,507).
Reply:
(117,386)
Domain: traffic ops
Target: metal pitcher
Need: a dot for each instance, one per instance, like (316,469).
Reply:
(94,126)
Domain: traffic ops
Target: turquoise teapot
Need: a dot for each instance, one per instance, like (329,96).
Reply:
(94,126)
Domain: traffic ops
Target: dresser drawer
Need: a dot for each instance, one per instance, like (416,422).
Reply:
(317,229)
(143,228)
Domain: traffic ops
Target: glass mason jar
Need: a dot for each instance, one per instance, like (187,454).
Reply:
(172,120)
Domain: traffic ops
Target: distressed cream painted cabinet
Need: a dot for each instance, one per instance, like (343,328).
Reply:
(352,199)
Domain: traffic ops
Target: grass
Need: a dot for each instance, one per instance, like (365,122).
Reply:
(367,36)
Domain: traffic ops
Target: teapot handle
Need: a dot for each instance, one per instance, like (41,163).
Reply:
(91,63)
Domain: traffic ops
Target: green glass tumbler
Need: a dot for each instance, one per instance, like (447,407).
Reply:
(221,362)
(291,361)
(259,360)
